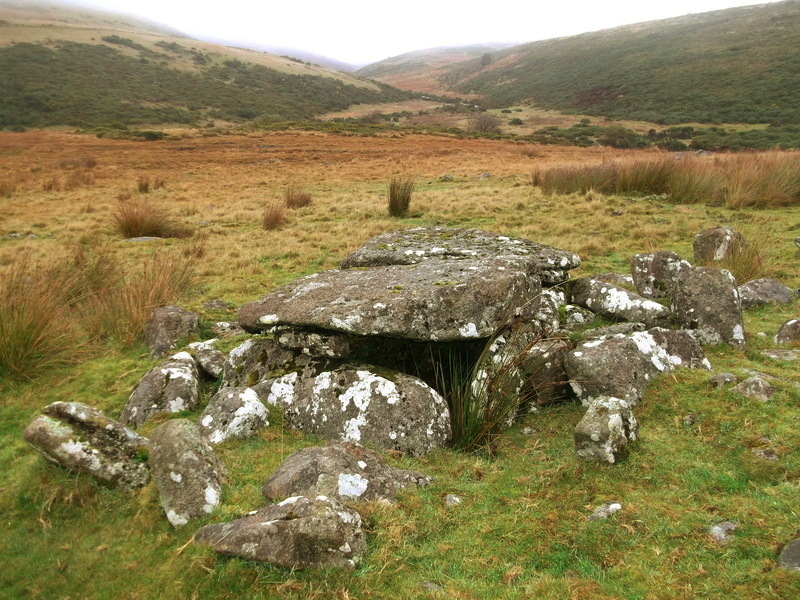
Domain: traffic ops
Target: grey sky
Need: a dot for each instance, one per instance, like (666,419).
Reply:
(365,31)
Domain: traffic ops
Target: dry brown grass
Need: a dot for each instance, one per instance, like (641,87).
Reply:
(274,215)
(137,218)
(296,196)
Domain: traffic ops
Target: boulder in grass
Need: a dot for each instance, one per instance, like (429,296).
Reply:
(358,403)
(208,358)
(233,413)
(298,533)
(755,387)
(717,244)
(576,317)
(763,292)
(188,473)
(654,274)
(605,430)
(789,332)
(789,558)
(166,326)
(615,302)
(344,471)
(254,360)
(84,440)
(707,302)
(171,387)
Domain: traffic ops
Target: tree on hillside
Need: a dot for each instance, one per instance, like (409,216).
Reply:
(485,123)
(486,59)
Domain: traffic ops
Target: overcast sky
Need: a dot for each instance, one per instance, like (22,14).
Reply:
(364,31)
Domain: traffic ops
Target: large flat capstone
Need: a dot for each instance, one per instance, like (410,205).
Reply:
(438,244)
(435,300)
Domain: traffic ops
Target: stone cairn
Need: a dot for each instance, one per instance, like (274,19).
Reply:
(350,355)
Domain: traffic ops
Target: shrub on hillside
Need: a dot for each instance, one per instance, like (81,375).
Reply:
(485,123)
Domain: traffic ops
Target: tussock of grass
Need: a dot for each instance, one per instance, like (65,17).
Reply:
(758,180)
(401,187)
(296,196)
(137,218)
(274,215)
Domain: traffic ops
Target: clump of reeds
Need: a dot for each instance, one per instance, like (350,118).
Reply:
(399,192)
(137,218)
(274,215)
(296,196)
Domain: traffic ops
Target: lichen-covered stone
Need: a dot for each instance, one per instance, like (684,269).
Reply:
(605,430)
(233,413)
(188,473)
(435,300)
(706,301)
(620,279)
(576,317)
(255,360)
(548,380)
(166,326)
(622,366)
(722,379)
(789,332)
(344,471)
(615,329)
(298,533)
(208,358)
(84,440)
(548,315)
(314,343)
(762,292)
(789,558)
(716,244)
(171,387)
(783,355)
(356,404)
(226,329)
(654,274)
(421,244)
(616,302)
(755,387)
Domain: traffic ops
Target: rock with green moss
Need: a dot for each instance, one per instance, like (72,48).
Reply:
(654,273)
(298,533)
(255,360)
(84,440)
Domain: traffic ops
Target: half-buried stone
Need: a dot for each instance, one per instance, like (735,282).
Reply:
(422,244)
(344,471)
(618,303)
(357,403)
(84,440)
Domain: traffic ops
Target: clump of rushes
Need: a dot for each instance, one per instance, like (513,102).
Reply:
(274,215)
(401,187)
(137,218)
(296,196)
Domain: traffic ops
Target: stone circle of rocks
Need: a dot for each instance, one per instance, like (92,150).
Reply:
(353,355)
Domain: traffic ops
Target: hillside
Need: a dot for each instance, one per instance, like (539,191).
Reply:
(69,66)
(735,65)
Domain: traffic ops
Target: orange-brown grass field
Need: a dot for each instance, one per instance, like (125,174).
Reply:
(74,296)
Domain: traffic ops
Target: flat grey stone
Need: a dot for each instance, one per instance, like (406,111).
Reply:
(615,302)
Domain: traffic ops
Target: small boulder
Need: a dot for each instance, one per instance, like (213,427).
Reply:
(226,329)
(84,440)
(619,279)
(755,387)
(233,413)
(789,558)
(789,332)
(166,326)
(616,302)
(254,360)
(722,379)
(298,533)
(716,244)
(356,403)
(344,471)
(188,473)
(452,500)
(722,533)
(605,430)
(762,292)
(706,301)
(605,510)
(576,317)
(171,387)
(208,358)
(782,355)
(654,274)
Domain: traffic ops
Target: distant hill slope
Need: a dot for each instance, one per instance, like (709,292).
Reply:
(69,66)
(421,70)
(735,65)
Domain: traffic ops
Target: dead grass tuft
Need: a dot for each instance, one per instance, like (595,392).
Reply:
(137,218)
(296,196)
(274,215)
(401,187)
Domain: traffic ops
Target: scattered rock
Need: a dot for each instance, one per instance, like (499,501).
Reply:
(452,500)
(797,242)
(225,329)
(345,471)
(722,532)
(485,175)
(84,440)
(233,413)
(356,404)
(767,454)
(576,317)
(528,431)
(421,244)
(619,279)
(789,558)
(755,387)
(688,420)
(143,238)
(429,586)
(719,243)
(722,379)
(298,533)
(217,304)
(171,387)
(548,315)
(616,302)
(605,430)
(762,292)
(166,326)
(188,473)
(654,274)
(784,355)
(789,332)
(208,358)
(446,177)
(706,301)
(605,510)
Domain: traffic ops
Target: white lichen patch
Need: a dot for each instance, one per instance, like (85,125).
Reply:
(349,323)
(211,496)
(738,333)
(469,330)
(175,519)
(239,352)
(269,319)
(176,405)
(352,485)
(176,477)
(352,428)
(206,421)
(290,500)
(282,390)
